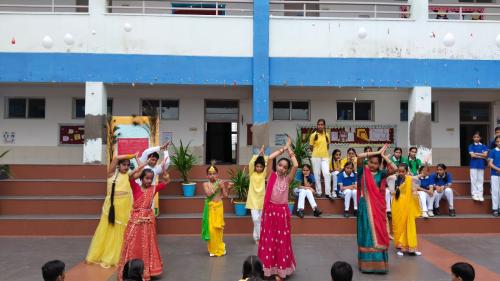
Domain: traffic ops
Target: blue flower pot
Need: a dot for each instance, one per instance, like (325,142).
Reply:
(291,205)
(239,209)
(188,189)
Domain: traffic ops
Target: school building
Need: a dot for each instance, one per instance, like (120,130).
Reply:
(427,70)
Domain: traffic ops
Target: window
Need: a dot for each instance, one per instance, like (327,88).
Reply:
(291,110)
(26,108)
(351,110)
(79,108)
(168,109)
(403,113)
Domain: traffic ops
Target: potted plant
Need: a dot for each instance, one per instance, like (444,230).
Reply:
(291,196)
(4,169)
(241,183)
(183,160)
(300,146)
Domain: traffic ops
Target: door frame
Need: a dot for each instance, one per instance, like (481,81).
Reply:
(487,123)
(221,121)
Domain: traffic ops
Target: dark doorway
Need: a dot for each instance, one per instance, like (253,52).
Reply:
(474,116)
(221,136)
(219,142)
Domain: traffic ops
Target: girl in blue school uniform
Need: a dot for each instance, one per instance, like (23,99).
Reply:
(478,154)
(426,192)
(442,188)
(494,163)
(347,184)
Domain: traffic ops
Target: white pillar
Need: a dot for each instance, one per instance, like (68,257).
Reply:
(95,117)
(419,121)
(419,10)
(97,7)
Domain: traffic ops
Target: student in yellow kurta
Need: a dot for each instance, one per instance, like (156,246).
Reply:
(320,158)
(213,213)
(352,156)
(257,190)
(406,209)
(106,244)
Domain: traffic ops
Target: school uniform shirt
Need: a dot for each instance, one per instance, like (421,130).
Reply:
(320,146)
(495,156)
(346,180)
(477,163)
(336,166)
(441,180)
(310,179)
(414,165)
(426,182)
(401,159)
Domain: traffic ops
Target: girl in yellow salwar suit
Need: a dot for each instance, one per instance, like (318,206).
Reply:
(405,210)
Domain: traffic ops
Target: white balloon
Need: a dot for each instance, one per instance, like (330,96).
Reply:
(497,40)
(47,42)
(93,32)
(127,27)
(449,40)
(68,39)
(362,33)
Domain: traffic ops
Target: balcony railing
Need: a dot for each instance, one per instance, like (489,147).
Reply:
(464,12)
(340,9)
(44,6)
(176,7)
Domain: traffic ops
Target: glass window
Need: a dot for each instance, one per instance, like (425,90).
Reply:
(281,110)
(403,111)
(109,106)
(434,112)
(170,109)
(17,108)
(300,110)
(79,108)
(150,107)
(474,112)
(345,111)
(221,110)
(363,111)
(36,108)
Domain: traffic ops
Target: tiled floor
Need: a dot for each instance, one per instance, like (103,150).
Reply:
(185,258)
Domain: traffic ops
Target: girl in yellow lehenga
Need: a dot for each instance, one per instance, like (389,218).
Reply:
(405,210)
(106,244)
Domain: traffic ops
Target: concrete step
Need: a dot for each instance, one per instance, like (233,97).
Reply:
(74,205)
(190,224)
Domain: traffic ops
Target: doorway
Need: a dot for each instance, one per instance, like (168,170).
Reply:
(474,117)
(221,135)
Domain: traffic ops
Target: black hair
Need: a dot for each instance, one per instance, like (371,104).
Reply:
(378,156)
(367,148)
(463,270)
(275,163)
(349,163)
(145,172)
(215,168)
(341,271)
(421,169)
(476,133)
(155,155)
(333,154)
(253,269)
(326,135)
(398,148)
(497,137)
(412,148)
(400,180)
(111,211)
(133,270)
(308,166)
(497,128)
(260,161)
(52,269)
(442,166)
(353,150)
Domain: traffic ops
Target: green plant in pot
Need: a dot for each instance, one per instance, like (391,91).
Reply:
(241,182)
(183,160)
(4,169)
(302,150)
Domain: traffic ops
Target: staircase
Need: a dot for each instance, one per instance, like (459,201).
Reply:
(65,200)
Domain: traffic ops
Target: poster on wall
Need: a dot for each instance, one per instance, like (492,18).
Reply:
(358,135)
(71,134)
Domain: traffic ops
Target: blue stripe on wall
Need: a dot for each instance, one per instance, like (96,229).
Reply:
(157,69)
(116,68)
(368,72)
(260,93)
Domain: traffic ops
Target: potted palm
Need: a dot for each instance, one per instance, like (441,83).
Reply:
(4,169)
(241,182)
(291,196)
(183,160)
(300,146)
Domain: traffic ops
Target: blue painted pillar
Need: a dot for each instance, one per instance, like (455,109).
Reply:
(260,93)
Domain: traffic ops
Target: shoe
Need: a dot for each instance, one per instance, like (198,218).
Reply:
(333,196)
(475,198)
(495,213)
(399,253)
(300,214)
(212,255)
(389,215)
(317,212)
(452,213)
(328,197)
(425,215)
(430,213)
(416,253)
(355,213)
(481,198)
(317,195)
(436,212)
(346,214)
